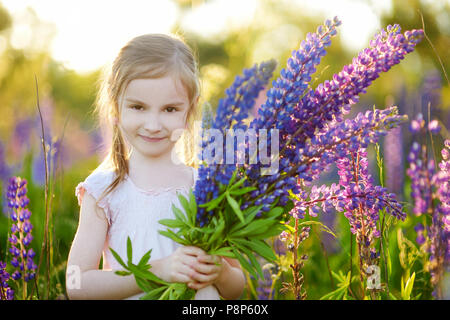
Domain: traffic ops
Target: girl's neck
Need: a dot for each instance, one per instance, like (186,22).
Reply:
(148,172)
(149,165)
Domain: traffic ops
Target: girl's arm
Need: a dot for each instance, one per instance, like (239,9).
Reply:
(84,258)
(231,281)
(86,252)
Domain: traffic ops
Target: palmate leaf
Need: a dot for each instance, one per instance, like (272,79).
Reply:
(153,294)
(118,258)
(242,191)
(129,251)
(224,251)
(272,232)
(172,223)
(258,246)
(235,206)
(145,258)
(179,215)
(238,184)
(187,209)
(255,227)
(255,264)
(218,233)
(193,207)
(172,235)
(249,214)
(214,203)
(244,263)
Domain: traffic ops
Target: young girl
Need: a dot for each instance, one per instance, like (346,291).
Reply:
(148,98)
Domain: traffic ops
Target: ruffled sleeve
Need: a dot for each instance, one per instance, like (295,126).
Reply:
(95,184)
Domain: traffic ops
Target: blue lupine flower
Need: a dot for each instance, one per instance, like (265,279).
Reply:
(21,230)
(6,293)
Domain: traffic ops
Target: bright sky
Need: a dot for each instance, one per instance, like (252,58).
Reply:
(89,33)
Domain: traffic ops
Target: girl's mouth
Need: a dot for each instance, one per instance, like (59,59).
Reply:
(151,139)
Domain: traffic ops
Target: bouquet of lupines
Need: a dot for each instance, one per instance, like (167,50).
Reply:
(238,202)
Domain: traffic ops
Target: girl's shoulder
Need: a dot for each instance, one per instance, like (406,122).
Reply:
(96,183)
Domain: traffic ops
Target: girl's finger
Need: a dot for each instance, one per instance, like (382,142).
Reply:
(209,259)
(199,277)
(183,278)
(193,251)
(199,285)
(206,268)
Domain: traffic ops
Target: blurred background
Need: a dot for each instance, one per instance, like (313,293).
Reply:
(61,46)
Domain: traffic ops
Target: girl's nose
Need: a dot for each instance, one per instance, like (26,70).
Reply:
(153,123)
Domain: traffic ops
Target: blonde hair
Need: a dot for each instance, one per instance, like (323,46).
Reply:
(146,56)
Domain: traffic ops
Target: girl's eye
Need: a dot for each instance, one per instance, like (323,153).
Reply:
(171,109)
(136,107)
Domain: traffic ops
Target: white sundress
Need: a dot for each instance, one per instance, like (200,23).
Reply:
(134,212)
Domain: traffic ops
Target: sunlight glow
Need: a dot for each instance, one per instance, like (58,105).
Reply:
(88,34)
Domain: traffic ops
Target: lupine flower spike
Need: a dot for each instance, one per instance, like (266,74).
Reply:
(20,239)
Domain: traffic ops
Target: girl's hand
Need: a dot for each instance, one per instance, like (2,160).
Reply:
(207,271)
(178,267)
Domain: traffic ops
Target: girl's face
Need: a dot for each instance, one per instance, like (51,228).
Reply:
(152,114)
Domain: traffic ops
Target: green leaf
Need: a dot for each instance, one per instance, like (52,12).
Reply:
(252,258)
(233,177)
(170,234)
(218,233)
(118,258)
(145,285)
(145,258)
(272,232)
(238,184)
(154,294)
(244,263)
(192,206)
(224,251)
(179,214)
(258,246)
(242,191)
(334,295)
(123,273)
(249,214)
(274,213)
(185,204)
(129,251)
(391,295)
(211,205)
(171,223)
(409,286)
(145,274)
(256,227)
(237,210)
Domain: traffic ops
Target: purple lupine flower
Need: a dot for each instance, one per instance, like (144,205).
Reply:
(440,228)
(393,160)
(264,289)
(431,196)
(22,257)
(358,198)
(321,110)
(5,170)
(6,293)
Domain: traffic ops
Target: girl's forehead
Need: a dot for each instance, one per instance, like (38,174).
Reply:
(167,87)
